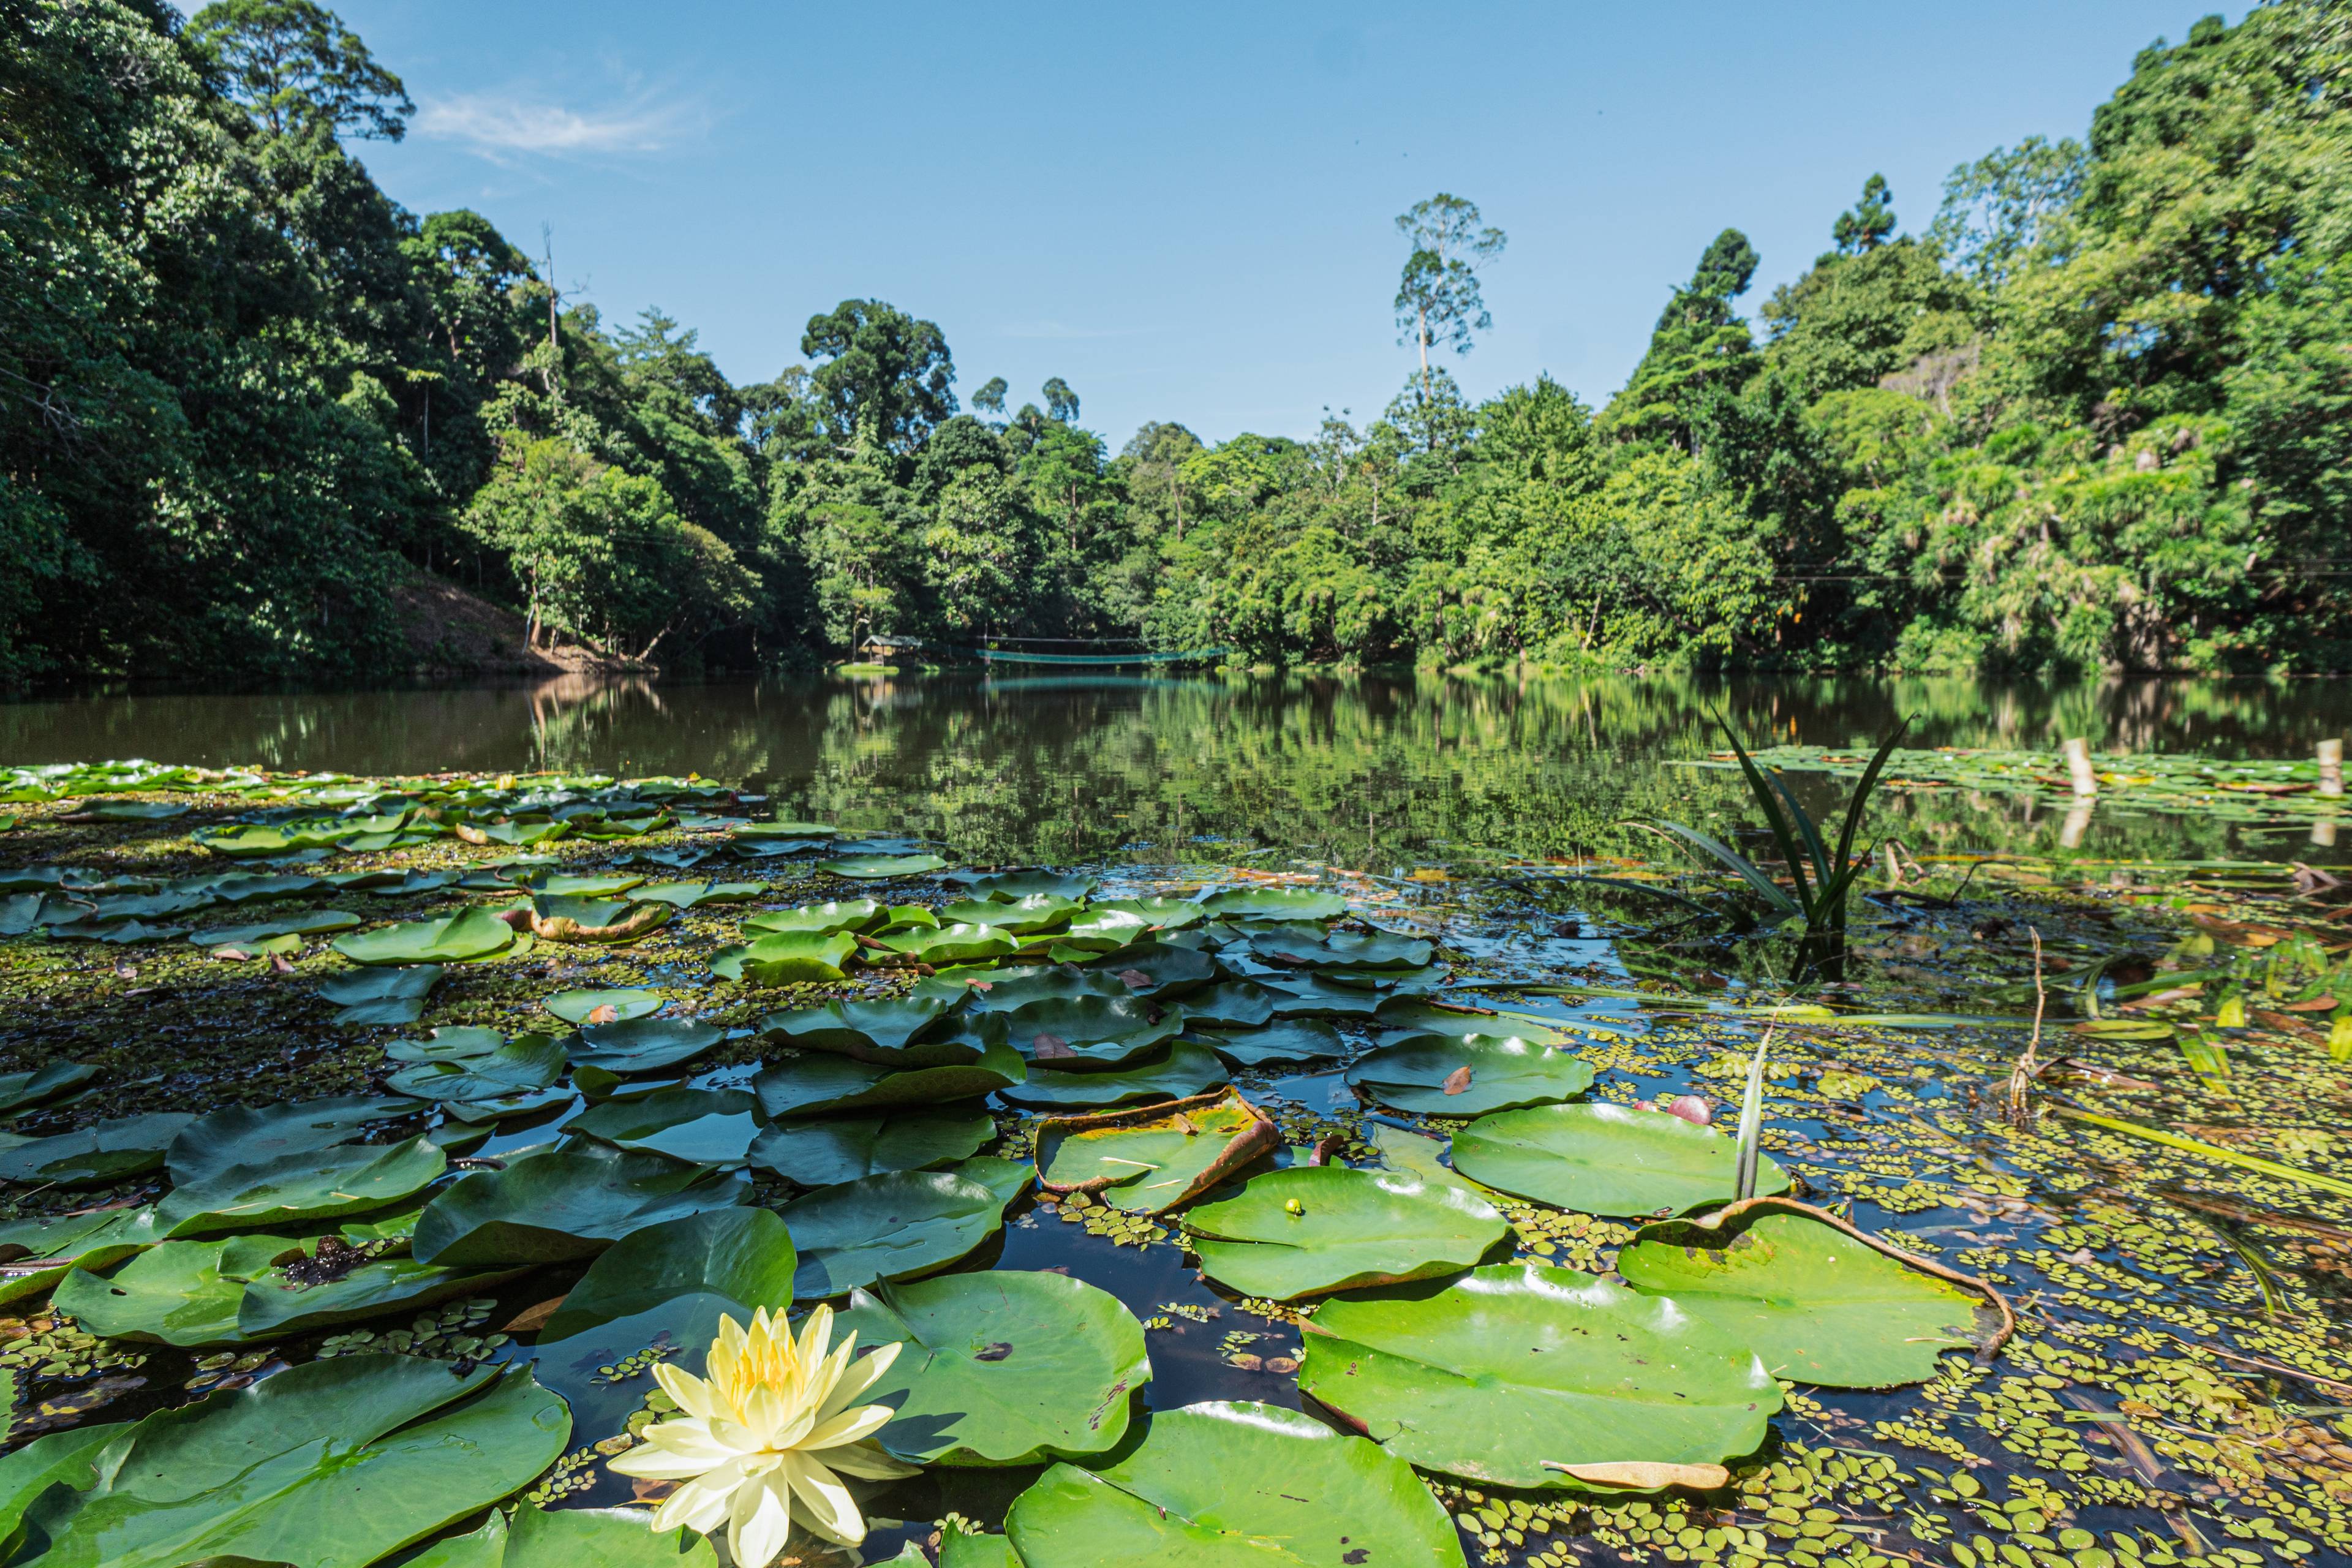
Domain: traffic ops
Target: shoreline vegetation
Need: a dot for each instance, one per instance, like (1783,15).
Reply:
(2093,415)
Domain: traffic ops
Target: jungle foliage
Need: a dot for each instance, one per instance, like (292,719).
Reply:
(2094,414)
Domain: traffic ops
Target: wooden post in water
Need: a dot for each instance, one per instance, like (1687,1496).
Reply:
(2078,766)
(2331,766)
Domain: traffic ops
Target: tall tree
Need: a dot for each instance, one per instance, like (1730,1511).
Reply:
(990,398)
(1061,403)
(887,378)
(1866,225)
(2006,206)
(295,67)
(1438,299)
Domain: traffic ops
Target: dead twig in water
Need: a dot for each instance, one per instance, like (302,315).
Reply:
(2029,1066)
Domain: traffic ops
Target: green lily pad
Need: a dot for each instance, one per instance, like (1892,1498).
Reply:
(470,934)
(1101,931)
(1309,1229)
(744,1257)
(176,1293)
(581,1006)
(221,1141)
(786,958)
(1440,1075)
(311,925)
(1274,904)
(1152,1158)
(1160,914)
(393,996)
(78,1241)
(456,1044)
(566,885)
(275,1301)
(784,830)
(1004,1367)
(306,1185)
(875,867)
(569,1201)
(1185,1070)
(1313,995)
(562,919)
(1160,970)
(20,1090)
(1236,1004)
(899,1225)
(695,895)
(1405,1017)
(644,1045)
(820,1153)
(1004,990)
(817,1085)
(1344,949)
(523,1064)
(570,1538)
(1083,1033)
(1021,917)
(707,1126)
(1818,1302)
(1274,1045)
(953,945)
(129,1146)
(1005,886)
(1515,1368)
(900,1032)
(1605,1159)
(333,1464)
(1231,1484)
(850,915)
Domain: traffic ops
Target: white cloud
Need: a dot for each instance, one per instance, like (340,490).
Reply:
(501,126)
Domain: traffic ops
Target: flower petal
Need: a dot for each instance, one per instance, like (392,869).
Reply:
(831,1512)
(867,1462)
(693,1395)
(760,1520)
(853,1425)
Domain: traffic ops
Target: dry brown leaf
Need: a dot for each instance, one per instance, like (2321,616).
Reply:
(1645,1475)
(1459,1080)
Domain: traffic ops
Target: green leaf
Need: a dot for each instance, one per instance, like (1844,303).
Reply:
(1186,1069)
(1346,950)
(215,1143)
(598,1538)
(88,1241)
(525,1063)
(816,1085)
(743,1256)
(850,915)
(20,1090)
(1021,917)
(333,1464)
(1276,1044)
(900,1031)
(1086,1034)
(786,958)
(898,1225)
(644,1045)
(1160,968)
(706,1126)
(563,918)
(393,996)
(128,1146)
(263,930)
(1002,1367)
(575,1006)
(1006,887)
(1309,1229)
(274,1302)
(470,934)
(1274,904)
(564,885)
(1153,1158)
(694,894)
(1509,1367)
(557,1203)
(179,1292)
(1160,914)
(68,1459)
(868,867)
(1230,1485)
(963,944)
(1819,1304)
(1604,1159)
(307,1185)
(1441,1074)
(1100,931)
(1236,1004)
(822,1153)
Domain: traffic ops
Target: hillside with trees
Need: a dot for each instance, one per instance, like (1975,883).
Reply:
(2095,412)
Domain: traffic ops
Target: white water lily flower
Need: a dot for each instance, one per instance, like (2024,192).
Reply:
(763,1434)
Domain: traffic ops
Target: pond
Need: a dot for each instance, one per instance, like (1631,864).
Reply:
(1259,1112)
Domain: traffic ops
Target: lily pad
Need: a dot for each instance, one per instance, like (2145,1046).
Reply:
(1236,1004)
(333,1464)
(707,1126)
(820,1153)
(1309,1229)
(695,895)
(1439,1075)
(1004,1367)
(1275,1045)
(567,885)
(275,1302)
(1818,1301)
(644,1045)
(557,1203)
(585,1006)
(1005,886)
(1160,914)
(86,1241)
(822,920)
(1274,904)
(1510,1372)
(1083,1033)
(1004,990)
(1344,949)
(1605,1159)
(1185,1070)
(303,1185)
(875,867)
(220,1141)
(1160,970)
(786,958)
(1230,1484)
(570,1538)
(129,1146)
(20,1090)
(525,1063)
(470,934)
(899,1031)
(562,919)
(175,1293)
(899,1226)
(953,943)
(817,1085)
(1022,917)
(311,925)
(743,1257)
(392,996)
(1101,931)
(1152,1158)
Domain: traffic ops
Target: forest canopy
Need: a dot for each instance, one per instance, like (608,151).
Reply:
(2096,412)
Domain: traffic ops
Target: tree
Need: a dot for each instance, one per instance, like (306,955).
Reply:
(2006,207)
(1061,403)
(1437,299)
(295,67)
(990,398)
(887,376)
(1868,223)
(1699,348)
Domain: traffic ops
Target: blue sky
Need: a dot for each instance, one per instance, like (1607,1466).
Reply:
(1186,211)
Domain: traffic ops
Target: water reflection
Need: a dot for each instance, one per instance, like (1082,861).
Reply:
(1372,770)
